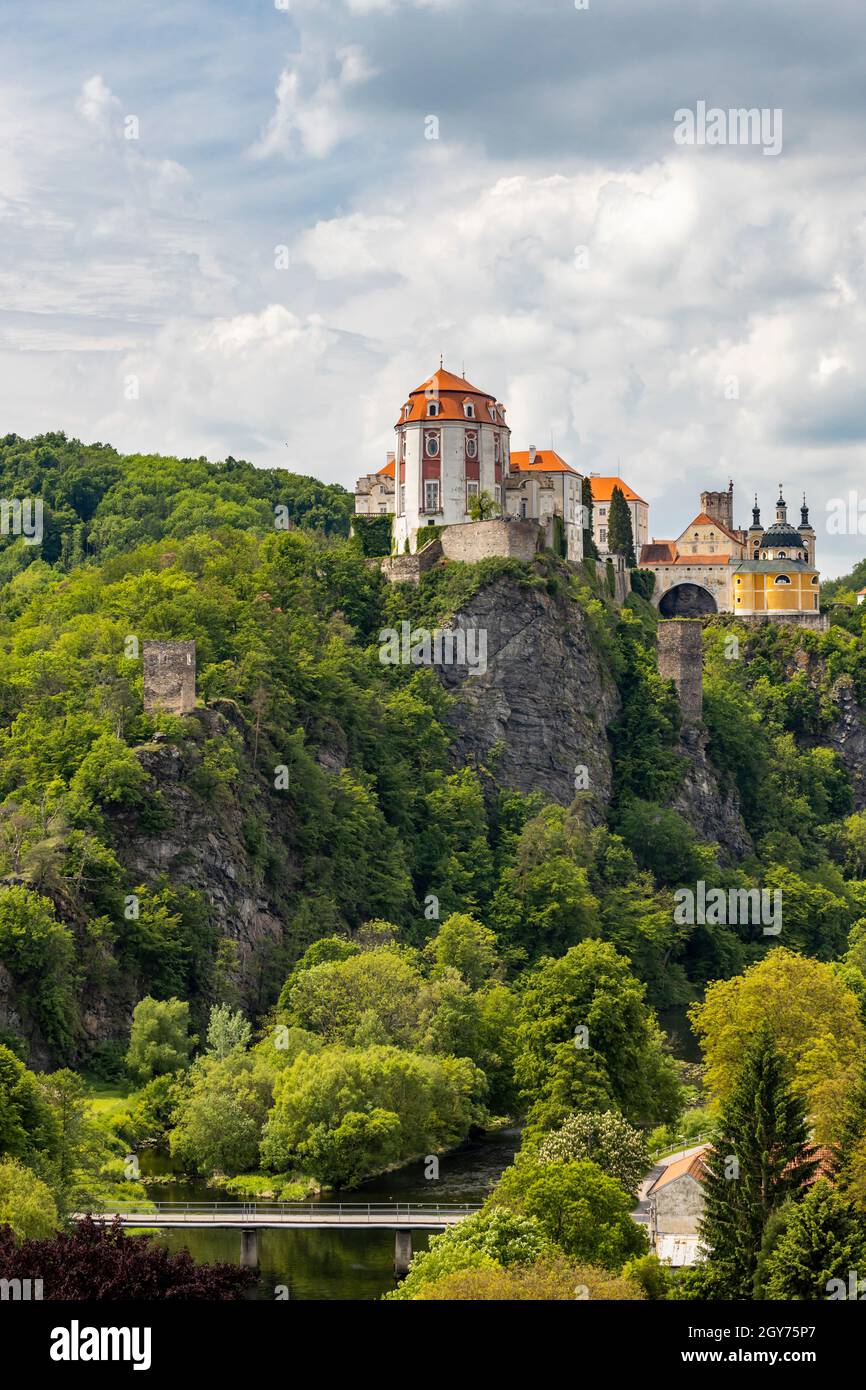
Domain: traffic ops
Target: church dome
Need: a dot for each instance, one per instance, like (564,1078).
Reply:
(782,536)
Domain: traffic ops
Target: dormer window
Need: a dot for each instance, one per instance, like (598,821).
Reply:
(432,409)
(469,410)
(407,410)
(491,406)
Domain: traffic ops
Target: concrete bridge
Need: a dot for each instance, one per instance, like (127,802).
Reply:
(248,1218)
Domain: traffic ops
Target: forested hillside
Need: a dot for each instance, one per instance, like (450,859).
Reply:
(326,923)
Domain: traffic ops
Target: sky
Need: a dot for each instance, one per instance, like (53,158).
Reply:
(251,228)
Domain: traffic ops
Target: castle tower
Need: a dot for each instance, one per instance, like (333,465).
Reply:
(720,506)
(680,659)
(169,677)
(807,531)
(452,444)
(756,531)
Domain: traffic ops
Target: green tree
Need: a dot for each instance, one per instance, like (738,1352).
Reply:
(579,1208)
(220,1115)
(467,946)
(227,1030)
(620,537)
(617,1148)
(588,1041)
(760,1158)
(493,1238)
(824,1239)
(26,1203)
(160,1040)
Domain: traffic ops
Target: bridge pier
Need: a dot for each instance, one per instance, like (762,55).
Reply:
(250,1248)
(402,1253)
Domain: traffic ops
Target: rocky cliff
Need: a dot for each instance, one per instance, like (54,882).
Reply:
(541,710)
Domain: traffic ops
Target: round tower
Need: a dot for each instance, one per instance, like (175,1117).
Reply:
(452,445)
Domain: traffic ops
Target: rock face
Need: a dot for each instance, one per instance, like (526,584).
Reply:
(713,813)
(848,737)
(540,711)
(203,848)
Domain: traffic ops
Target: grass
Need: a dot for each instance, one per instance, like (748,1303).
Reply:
(108,1097)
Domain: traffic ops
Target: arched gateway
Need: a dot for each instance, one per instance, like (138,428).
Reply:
(687,601)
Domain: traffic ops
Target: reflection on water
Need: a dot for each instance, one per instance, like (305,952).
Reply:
(345,1264)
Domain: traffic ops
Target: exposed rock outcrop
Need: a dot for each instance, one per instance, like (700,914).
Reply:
(714,814)
(541,709)
(848,736)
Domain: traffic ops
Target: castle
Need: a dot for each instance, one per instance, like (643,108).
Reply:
(453,446)
(714,567)
(453,465)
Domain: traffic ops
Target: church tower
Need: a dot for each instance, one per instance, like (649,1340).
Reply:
(807,531)
(756,531)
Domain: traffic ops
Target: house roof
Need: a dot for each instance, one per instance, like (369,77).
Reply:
(692,1166)
(774,567)
(657,553)
(602,489)
(546,461)
(388,471)
(451,392)
(702,519)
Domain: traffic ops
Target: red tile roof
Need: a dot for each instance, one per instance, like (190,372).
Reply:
(546,461)
(388,471)
(691,1166)
(703,520)
(657,553)
(602,489)
(451,392)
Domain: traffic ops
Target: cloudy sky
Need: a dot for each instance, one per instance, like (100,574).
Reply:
(224,228)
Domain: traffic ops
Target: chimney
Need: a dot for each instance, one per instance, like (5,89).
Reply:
(532,453)
(390,456)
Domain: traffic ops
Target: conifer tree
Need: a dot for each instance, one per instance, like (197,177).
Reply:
(760,1158)
(620,537)
(823,1243)
(589,549)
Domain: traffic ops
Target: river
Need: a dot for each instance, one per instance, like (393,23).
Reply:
(342,1264)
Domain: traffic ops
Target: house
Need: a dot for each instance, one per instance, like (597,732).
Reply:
(541,485)
(374,493)
(602,492)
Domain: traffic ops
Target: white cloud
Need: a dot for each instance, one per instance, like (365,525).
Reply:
(97,103)
(312,115)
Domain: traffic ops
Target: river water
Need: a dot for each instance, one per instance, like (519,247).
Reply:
(343,1264)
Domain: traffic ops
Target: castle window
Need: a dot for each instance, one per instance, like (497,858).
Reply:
(497,448)
(432,408)
(471,446)
(782,555)
(782,579)
(523,508)
(469,410)
(431,495)
(471,491)
(402,498)
(407,410)
(497,495)
(814,579)
(431,445)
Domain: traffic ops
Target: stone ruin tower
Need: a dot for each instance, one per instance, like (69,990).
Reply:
(169,677)
(681,660)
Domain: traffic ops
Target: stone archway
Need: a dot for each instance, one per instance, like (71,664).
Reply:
(687,601)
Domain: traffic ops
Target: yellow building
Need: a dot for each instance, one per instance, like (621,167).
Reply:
(780,579)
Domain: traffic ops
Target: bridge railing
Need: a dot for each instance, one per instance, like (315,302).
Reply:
(345,1211)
